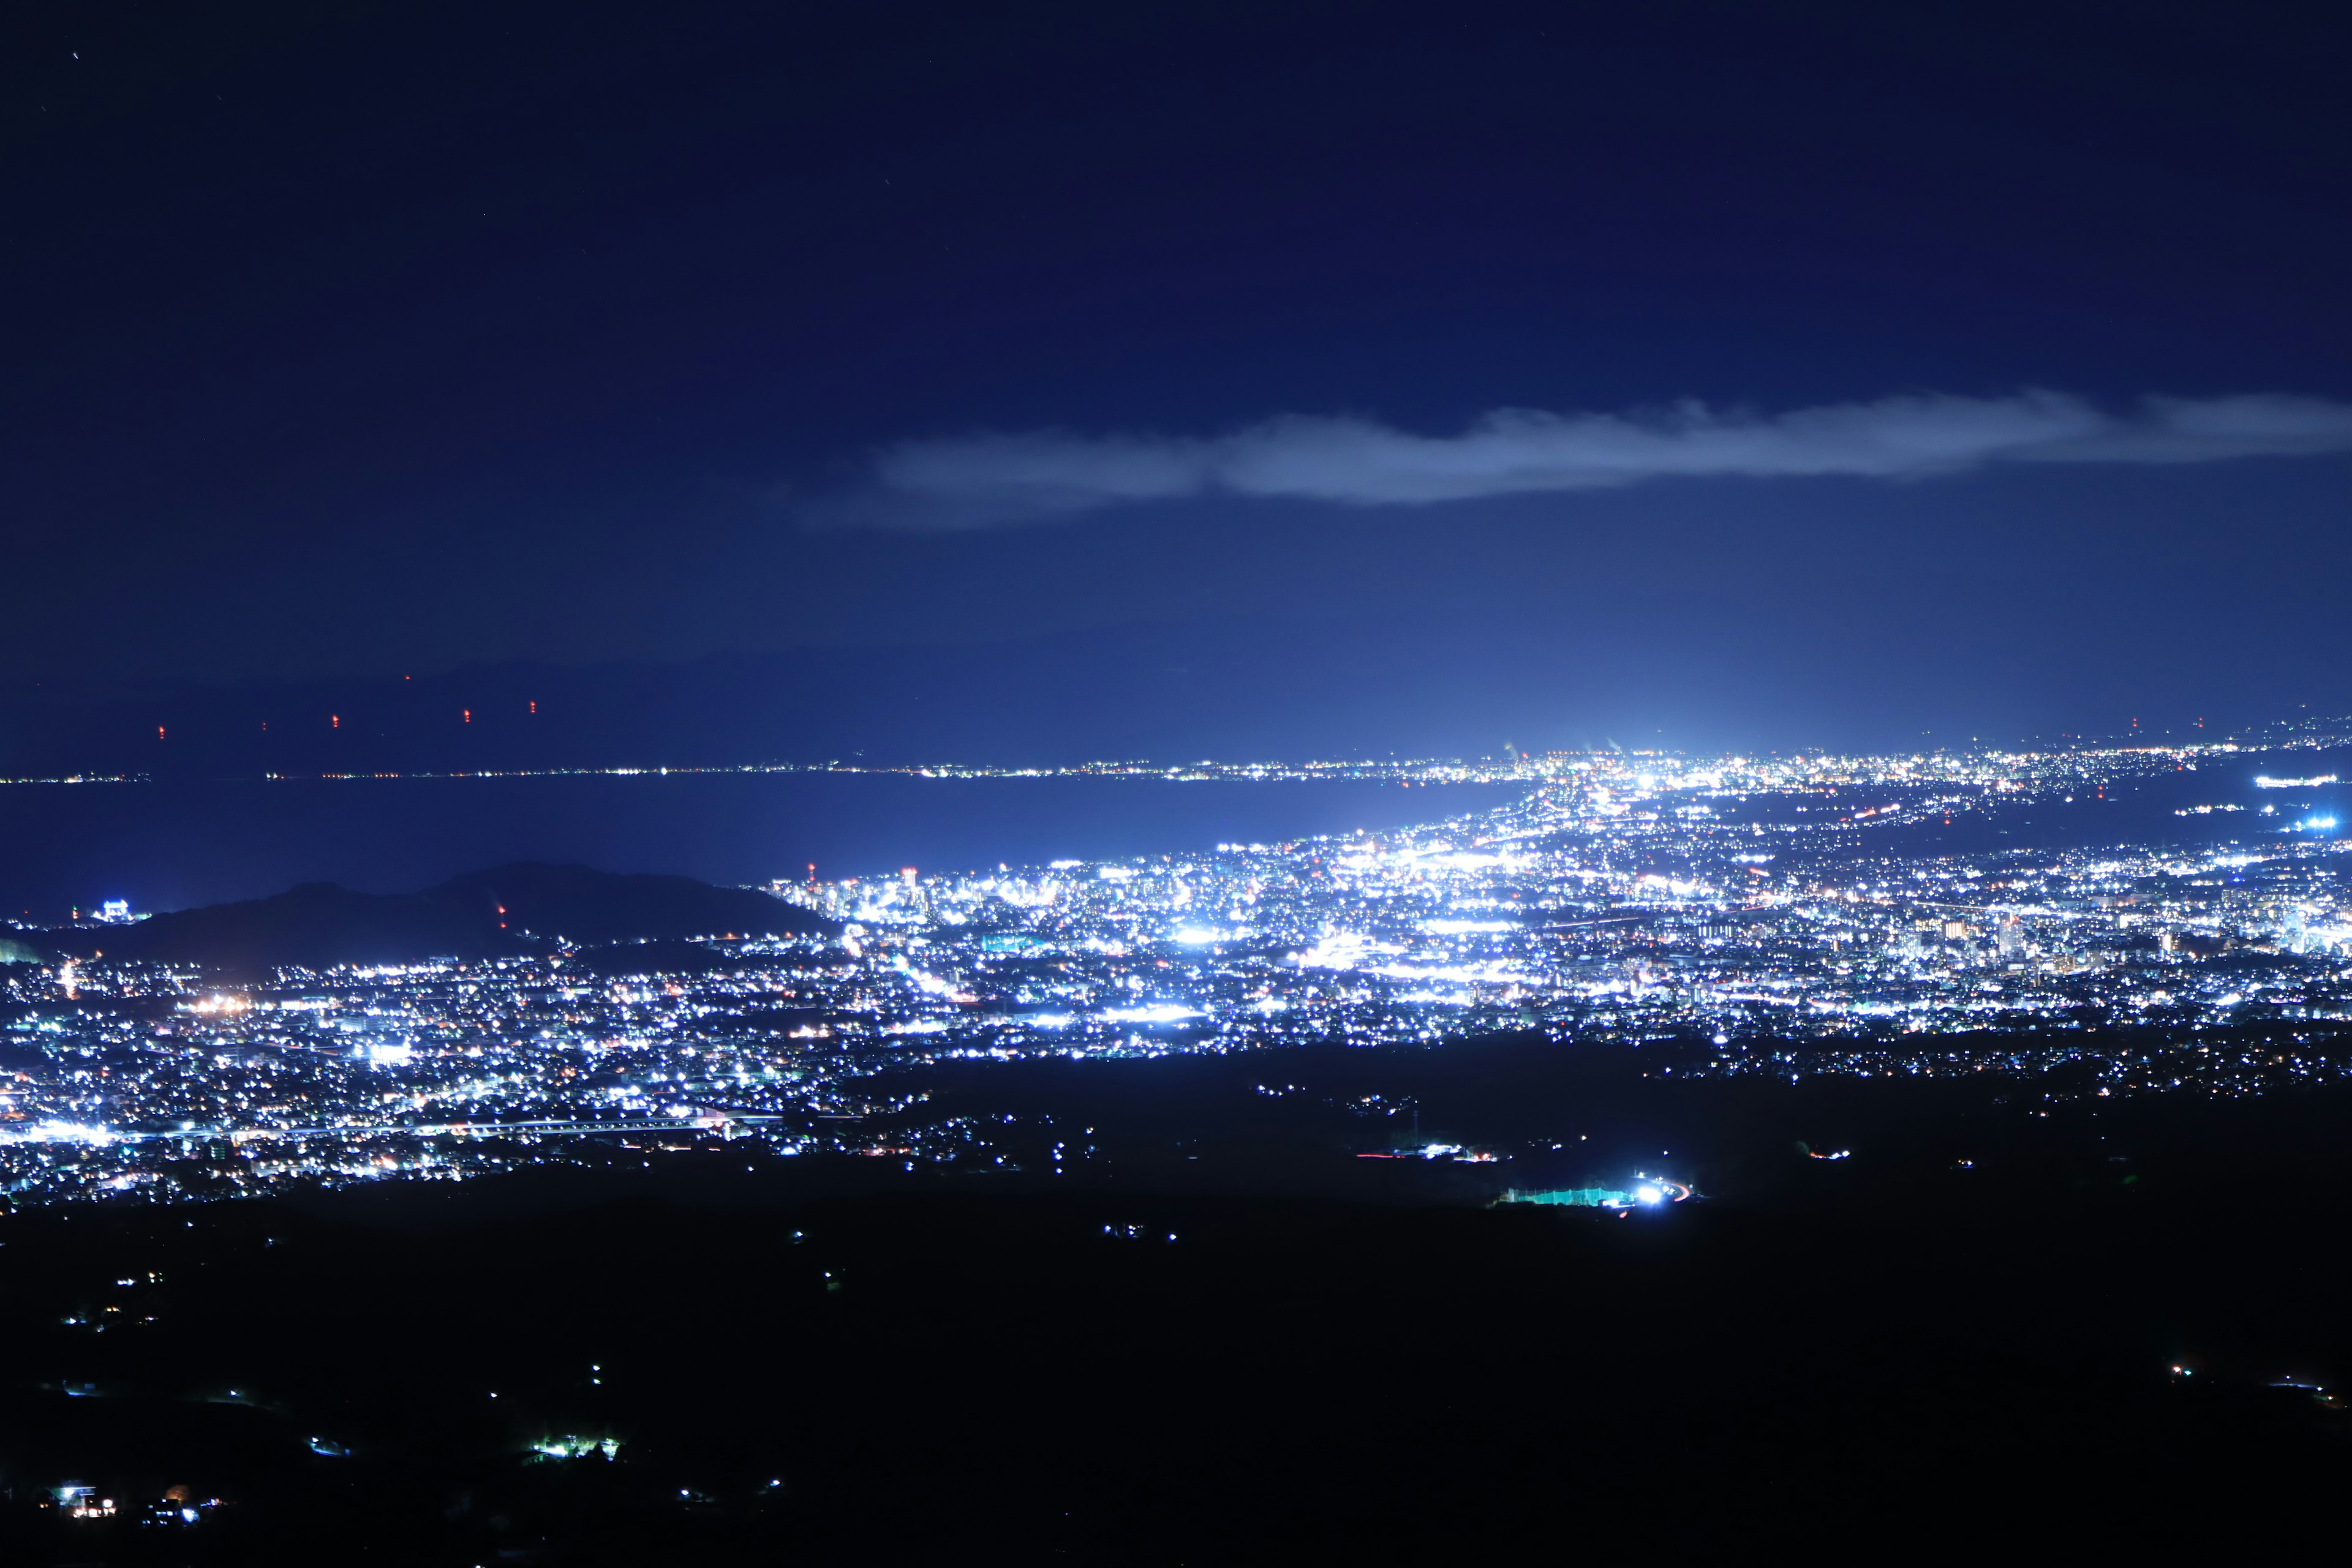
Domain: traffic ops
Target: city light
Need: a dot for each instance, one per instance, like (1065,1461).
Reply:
(1776,918)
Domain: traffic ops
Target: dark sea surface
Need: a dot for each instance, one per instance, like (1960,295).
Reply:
(167,846)
(170,846)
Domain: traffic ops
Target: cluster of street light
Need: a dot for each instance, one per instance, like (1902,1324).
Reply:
(1789,915)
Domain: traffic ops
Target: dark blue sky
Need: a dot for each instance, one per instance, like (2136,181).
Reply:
(352,341)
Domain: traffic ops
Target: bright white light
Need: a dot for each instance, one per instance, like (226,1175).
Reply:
(1462,861)
(1342,949)
(1649,1194)
(1499,972)
(1465,928)
(59,1132)
(1156,1013)
(930,984)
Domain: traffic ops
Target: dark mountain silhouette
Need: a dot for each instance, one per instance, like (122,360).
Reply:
(519,909)
(588,906)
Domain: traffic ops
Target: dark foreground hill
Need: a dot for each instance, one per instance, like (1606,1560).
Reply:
(2110,1328)
(522,907)
(1092,1376)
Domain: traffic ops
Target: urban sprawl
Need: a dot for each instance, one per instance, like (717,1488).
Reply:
(1934,914)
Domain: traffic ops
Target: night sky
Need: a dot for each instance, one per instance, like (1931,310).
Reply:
(1182,379)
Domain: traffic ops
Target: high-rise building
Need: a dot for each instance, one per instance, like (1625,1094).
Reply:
(2012,939)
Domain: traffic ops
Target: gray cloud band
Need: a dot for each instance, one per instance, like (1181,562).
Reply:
(995,481)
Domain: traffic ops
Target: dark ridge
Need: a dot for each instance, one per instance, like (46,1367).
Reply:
(512,910)
(582,905)
(315,926)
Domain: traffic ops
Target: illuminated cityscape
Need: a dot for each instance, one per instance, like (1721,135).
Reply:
(1800,915)
(1173,784)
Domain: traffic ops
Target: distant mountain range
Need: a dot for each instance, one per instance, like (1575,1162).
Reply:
(513,909)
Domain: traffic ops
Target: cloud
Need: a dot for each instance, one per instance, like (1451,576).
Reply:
(999,480)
